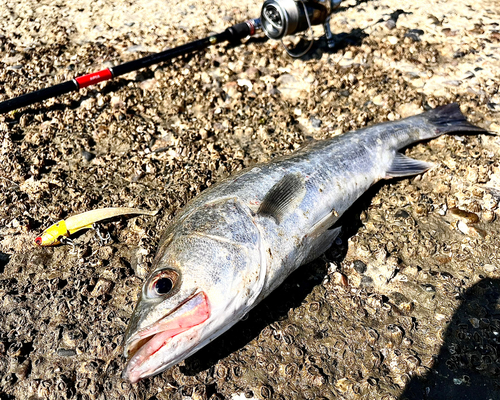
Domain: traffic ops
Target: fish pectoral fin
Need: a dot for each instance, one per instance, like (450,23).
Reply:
(284,197)
(406,166)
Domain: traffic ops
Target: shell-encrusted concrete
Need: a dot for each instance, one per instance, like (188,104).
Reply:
(406,304)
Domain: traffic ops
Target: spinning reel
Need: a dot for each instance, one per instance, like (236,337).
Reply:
(281,18)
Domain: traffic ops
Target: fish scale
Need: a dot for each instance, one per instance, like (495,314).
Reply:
(238,240)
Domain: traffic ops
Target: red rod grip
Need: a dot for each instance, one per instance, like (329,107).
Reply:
(95,77)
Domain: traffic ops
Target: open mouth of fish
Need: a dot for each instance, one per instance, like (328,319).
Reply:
(145,343)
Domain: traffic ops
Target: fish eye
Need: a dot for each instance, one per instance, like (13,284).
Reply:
(163,286)
(162,283)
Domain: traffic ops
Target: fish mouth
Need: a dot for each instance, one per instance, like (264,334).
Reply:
(142,346)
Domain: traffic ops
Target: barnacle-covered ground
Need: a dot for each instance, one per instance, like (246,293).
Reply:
(405,305)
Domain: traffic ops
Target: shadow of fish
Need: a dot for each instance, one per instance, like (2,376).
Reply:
(236,242)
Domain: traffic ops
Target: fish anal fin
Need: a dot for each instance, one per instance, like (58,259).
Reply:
(406,166)
(284,197)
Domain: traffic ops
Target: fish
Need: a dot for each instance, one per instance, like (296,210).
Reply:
(53,235)
(236,242)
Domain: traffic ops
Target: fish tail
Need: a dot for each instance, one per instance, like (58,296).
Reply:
(449,119)
(441,120)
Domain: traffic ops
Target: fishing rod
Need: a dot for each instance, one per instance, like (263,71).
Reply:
(278,18)
(232,34)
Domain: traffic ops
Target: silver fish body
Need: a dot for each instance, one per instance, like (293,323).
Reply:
(237,241)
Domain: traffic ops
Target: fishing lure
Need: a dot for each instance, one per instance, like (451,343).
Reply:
(56,233)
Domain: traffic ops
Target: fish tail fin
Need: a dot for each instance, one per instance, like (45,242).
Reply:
(449,119)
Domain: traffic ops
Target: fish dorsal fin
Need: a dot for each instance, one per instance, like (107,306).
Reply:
(406,166)
(284,197)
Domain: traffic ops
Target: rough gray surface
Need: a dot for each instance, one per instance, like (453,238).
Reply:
(406,305)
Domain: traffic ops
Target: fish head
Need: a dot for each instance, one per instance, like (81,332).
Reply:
(206,277)
(174,317)
(179,311)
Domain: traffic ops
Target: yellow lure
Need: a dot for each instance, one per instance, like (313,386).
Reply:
(67,227)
